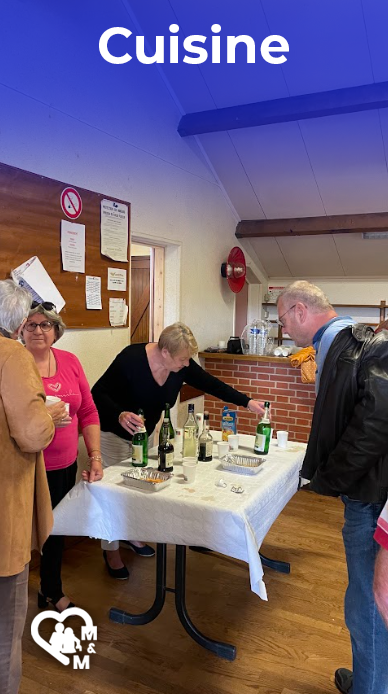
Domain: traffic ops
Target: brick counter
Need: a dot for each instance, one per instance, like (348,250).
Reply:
(262,378)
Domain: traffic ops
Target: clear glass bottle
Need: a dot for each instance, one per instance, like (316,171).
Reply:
(140,445)
(190,434)
(171,432)
(165,450)
(263,432)
(205,441)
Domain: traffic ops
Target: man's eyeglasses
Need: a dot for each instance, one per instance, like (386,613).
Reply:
(45,325)
(280,319)
(47,305)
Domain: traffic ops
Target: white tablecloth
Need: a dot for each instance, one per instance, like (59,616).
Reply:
(190,514)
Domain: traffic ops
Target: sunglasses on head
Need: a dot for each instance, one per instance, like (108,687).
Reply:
(47,305)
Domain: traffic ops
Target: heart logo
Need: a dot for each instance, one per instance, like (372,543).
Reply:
(55,386)
(59,617)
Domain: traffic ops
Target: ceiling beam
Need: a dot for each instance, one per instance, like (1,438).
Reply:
(337,101)
(311,226)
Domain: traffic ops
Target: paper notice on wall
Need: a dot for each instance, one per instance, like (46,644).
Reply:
(117,279)
(114,230)
(273,293)
(73,246)
(34,277)
(93,292)
(118,312)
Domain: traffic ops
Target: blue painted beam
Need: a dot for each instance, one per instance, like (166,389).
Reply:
(337,101)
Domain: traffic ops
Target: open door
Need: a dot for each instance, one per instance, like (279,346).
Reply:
(140,299)
(147,292)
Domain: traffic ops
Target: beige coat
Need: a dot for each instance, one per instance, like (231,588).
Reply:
(25,429)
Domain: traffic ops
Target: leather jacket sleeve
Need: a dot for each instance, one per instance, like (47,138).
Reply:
(364,440)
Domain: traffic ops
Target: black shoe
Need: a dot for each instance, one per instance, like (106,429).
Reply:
(121,574)
(44,602)
(343,679)
(145,551)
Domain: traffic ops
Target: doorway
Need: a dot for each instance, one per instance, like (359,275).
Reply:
(147,289)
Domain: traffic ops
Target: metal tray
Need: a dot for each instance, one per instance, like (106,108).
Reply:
(146,478)
(242,464)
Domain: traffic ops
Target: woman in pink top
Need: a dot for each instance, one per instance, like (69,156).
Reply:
(63,377)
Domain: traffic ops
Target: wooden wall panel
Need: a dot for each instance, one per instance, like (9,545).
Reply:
(30,221)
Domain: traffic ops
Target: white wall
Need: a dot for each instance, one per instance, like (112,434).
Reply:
(68,115)
(346,291)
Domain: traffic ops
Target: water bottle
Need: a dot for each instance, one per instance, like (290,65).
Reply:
(253,339)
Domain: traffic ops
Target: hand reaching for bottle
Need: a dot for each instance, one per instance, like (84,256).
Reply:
(130,421)
(256,407)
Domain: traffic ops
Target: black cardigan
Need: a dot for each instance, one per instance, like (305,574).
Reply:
(128,385)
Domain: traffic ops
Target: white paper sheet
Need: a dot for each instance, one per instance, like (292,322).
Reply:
(117,279)
(118,311)
(93,292)
(34,277)
(114,230)
(73,246)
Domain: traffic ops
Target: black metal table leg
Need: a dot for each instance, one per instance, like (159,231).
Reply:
(122,617)
(223,650)
(282,567)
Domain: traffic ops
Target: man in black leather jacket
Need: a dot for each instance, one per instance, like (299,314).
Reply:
(347,456)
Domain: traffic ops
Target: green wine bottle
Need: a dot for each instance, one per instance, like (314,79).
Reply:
(171,432)
(140,445)
(263,432)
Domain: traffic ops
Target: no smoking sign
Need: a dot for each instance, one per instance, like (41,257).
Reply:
(71,203)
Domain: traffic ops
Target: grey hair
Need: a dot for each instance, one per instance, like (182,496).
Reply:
(308,294)
(176,337)
(53,317)
(15,303)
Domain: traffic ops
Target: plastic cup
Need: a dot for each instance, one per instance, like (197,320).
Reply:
(51,400)
(222,448)
(282,437)
(233,442)
(189,466)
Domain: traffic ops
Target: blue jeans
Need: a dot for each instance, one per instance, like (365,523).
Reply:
(368,633)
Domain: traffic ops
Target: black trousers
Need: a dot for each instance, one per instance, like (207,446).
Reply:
(60,482)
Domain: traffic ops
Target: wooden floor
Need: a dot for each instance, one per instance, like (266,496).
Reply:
(290,645)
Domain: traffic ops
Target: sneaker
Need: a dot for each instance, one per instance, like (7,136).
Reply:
(343,679)
(145,551)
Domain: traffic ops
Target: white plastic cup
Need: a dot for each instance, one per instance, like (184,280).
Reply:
(222,448)
(233,442)
(282,437)
(51,400)
(189,466)
(221,344)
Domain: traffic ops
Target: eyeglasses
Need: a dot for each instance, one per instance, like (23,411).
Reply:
(45,325)
(280,319)
(47,305)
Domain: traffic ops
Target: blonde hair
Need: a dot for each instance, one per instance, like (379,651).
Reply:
(176,337)
(53,317)
(308,294)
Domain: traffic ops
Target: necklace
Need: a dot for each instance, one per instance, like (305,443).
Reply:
(49,361)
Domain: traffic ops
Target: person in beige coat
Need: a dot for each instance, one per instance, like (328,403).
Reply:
(26,515)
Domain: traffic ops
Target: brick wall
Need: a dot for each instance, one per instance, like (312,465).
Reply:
(292,401)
